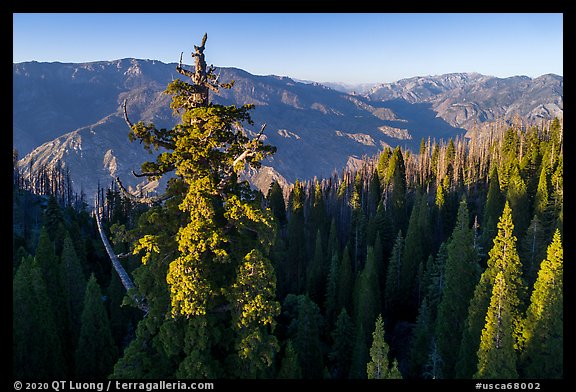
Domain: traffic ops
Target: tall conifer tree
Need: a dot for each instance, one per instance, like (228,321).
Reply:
(379,365)
(503,257)
(342,346)
(37,347)
(461,275)
(203,238)
(496,356)
(96,351)
(543,327)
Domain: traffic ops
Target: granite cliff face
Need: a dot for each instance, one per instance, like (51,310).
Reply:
(72,113)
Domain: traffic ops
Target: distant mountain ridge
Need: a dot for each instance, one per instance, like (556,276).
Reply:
(463,99)
(72,112)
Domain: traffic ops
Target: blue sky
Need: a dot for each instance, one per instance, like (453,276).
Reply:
(331,47)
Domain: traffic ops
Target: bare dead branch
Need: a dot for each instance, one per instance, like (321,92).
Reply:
(122,274)
(152,174)
(185,72)
(126,114)
(261,132)
(140,199)
(243,156)
(211,87)
(249,152)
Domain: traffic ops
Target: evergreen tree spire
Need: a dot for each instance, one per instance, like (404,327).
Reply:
(493,208)
(307,341)
(290,367)
(503,258)
(96,351)
(73,285)
(461,275)
(316,274)
(543,326)
(393,283)
(204,239)
(296,240)
(421,340)
(276,203)
(379,365)
(345,283)
(37,348)
(541,198)
(496,356)
(343,342)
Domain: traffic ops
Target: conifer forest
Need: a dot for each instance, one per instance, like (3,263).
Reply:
(442,263)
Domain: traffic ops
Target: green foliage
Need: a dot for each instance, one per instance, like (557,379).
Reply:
(358,224)
(343,341)
(378,367)
(36,345)
(290,367)
(316,275)
(543,327)
(360,354)
(367,293)
(374,193)
(461,275)
(306,334)
(49,263)
(318,218)
(73,286)
(276,203)
(541,198)
(345,281)
(503,258)
(518,197)
(333,242)
(467,363)
(199,335)
(421,340)
(394,373)
(436,279)
(493,208)
(331,299)
(214,258)
(415,252)
(366,308)
(532,249)
(396,179)
(205,271)
(53,220)
(331,295)
(382,167)
(509,156)
(393,293)
(46,259)
(96,351)
(496,356)
(254,314)
(296,258)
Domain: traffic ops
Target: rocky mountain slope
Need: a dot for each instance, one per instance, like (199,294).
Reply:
(463,99)
(72,112)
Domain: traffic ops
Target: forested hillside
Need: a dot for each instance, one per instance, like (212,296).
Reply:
(446,263)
